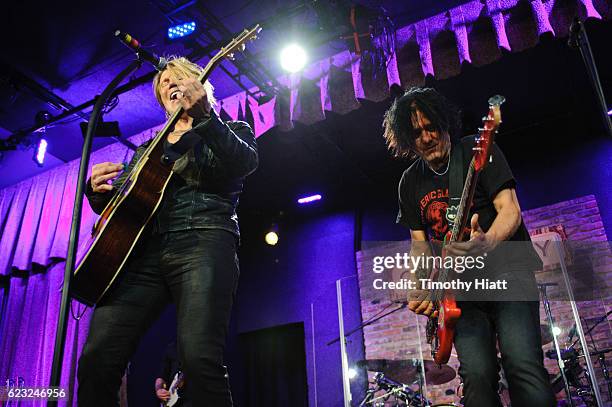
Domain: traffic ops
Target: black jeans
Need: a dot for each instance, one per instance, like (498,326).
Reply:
(198,271)
(517,325)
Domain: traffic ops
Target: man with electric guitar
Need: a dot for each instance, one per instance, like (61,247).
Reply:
(187,252)
(422,124)
(170,385)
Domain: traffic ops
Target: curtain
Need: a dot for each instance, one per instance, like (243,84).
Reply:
(35,218)
(273,367)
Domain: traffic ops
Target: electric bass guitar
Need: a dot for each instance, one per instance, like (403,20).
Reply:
(177,383)
(441,327)
(104,253)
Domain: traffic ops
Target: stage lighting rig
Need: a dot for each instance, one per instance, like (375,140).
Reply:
(309,199)
(181,30)
(41,120)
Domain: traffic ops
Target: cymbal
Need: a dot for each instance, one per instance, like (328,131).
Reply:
(402,370)
(438,374)
(406,370)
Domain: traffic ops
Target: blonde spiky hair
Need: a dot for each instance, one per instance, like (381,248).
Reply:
(181,67)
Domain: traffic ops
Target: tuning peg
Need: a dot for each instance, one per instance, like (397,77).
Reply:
(490,158)
(242,47)
(230,56)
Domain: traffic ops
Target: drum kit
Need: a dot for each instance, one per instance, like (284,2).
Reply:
(577,376)
(388,387)
(399,383)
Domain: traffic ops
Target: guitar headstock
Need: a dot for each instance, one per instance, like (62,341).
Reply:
(486,134)
(237,44)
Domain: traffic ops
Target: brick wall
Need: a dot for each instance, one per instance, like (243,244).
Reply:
(397,336)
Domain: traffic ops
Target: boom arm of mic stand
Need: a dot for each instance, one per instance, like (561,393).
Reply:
(364,324)
(62,323)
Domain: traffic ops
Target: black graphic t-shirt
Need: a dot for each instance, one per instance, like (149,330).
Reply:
(423,195)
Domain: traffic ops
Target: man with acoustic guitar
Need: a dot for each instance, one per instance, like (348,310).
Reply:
(187,255)
(422,124)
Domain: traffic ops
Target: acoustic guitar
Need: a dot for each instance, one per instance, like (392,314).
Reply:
(104,253)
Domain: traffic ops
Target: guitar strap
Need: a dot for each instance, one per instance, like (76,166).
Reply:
(455,182)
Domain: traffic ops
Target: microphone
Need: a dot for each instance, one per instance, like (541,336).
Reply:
(133,44)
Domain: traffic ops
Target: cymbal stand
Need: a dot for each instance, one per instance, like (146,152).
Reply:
(551,324)
(570,292)
(602,356)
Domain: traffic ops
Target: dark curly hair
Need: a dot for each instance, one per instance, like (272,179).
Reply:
(399,133)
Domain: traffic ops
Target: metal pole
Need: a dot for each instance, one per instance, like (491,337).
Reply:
(560,360)
(579,39)
(62,323)
(422,378)
(583,342)
(346,385)
(314,354)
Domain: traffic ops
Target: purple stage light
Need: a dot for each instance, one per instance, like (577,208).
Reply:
(41,150)
(181,30)
(308,199)
(610,112)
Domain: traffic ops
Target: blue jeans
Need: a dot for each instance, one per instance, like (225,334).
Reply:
(197,270)
(516,326)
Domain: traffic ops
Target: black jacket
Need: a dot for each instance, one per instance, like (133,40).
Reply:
(203,192)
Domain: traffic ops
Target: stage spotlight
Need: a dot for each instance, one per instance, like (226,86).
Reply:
(610,112)
(181,30)
(40,151)
(271,238)
(41,119)
(293,58)
(352,373)
(556,331)
(309,199)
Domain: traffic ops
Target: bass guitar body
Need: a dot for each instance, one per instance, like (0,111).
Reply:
(441,329)
(441,325)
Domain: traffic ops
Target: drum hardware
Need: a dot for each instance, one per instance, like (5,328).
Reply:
(551,322)
(390,376)
(408,370)
(399,393)
(576,375)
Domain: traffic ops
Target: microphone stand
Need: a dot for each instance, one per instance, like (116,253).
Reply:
(62,323)
(578,39)
(368,322)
